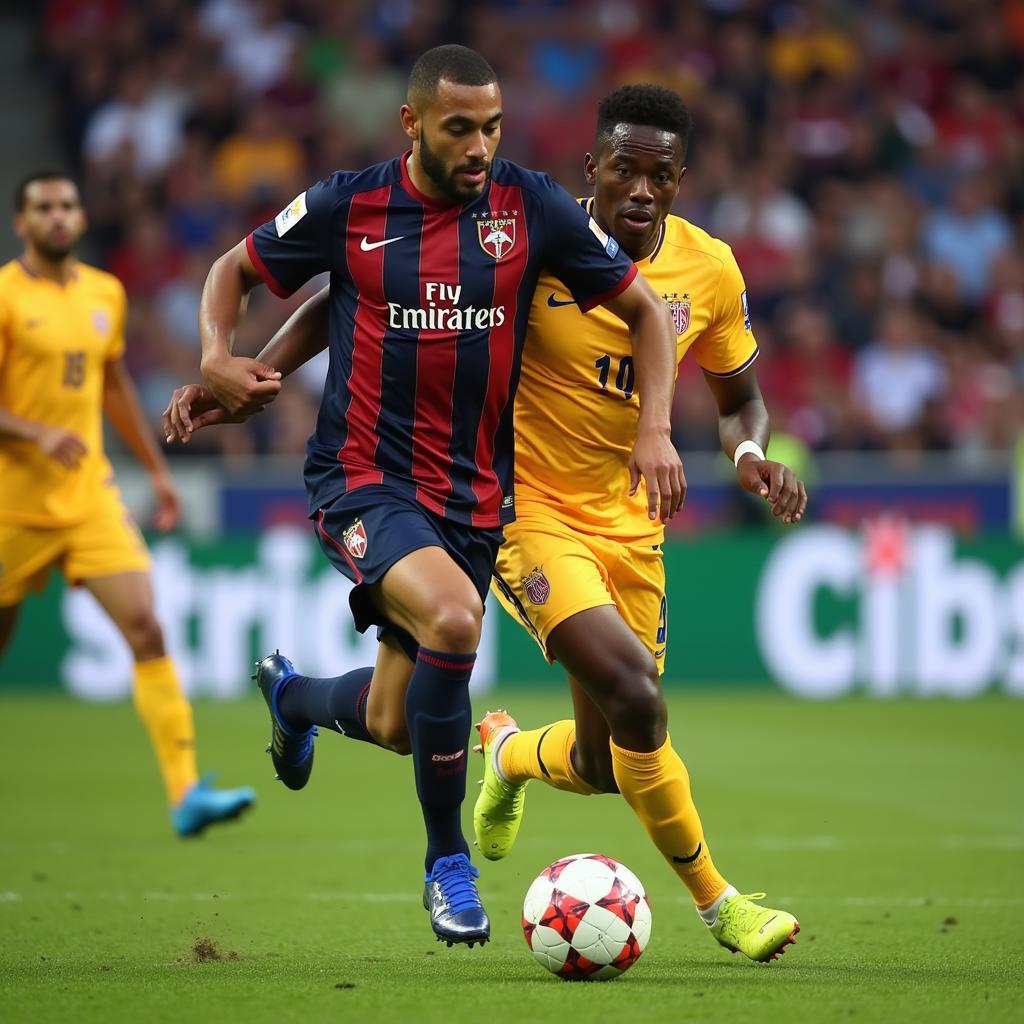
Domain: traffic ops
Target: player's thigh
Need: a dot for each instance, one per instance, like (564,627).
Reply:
(27,554)
(592,756)
(545,573)
(414,573)
(637,583)
(428,594)
(385,703)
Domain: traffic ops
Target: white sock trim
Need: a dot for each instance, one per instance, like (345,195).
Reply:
(503,734)
(709,915)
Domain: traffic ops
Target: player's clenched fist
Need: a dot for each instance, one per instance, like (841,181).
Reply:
(777,484)
(63,445)
(243,386)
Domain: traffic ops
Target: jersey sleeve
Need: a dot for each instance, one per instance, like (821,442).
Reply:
(116,348)
(5,332)
(590,263)
(727,345)
(296,245)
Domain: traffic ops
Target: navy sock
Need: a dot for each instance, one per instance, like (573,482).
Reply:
(438,713)
(338,703)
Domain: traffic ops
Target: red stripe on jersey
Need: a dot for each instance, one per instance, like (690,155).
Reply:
(367,218)
(435,359)
(261,268)
(508,274)
(599,300)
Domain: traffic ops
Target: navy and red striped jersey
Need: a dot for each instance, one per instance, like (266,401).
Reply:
(428,311)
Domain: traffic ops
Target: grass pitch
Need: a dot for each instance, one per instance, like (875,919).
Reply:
(893,830)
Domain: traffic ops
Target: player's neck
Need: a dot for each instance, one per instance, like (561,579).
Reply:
(60,271)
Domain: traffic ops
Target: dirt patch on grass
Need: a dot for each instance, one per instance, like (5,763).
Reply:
(205,951)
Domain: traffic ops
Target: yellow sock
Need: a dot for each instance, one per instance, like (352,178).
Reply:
(656,785)
(544,754)
(167,715)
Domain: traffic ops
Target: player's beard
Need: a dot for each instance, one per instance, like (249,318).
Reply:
(435,170)
(55,251)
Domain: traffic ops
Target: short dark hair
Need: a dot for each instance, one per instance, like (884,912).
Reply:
(452,63)
(43,174)
(649,105)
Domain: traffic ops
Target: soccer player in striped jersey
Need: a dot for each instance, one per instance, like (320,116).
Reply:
(434,257)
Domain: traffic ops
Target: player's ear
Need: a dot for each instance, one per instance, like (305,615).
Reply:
(410,122)
(589,169)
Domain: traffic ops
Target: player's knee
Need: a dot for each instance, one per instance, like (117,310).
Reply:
(144,635)
(454,627)
(632,700)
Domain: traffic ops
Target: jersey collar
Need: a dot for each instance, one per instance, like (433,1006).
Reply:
(588,205)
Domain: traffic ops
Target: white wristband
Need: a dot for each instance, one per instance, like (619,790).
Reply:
(747,447)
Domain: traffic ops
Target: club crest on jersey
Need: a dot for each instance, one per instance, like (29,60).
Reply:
(101,321)
(354,538)
(536,585)
(680,310)
(496,233)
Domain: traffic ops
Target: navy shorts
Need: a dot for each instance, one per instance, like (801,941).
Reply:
(368,530)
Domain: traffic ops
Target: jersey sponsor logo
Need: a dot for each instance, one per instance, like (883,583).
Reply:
(367,246)
(536,585)
(746,310)
(555,303)
(443,313)
(101,321)
(354,538)
(680,310)
(497,233)
(610,246)
(291,215)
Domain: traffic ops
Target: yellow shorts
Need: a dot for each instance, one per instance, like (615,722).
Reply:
(107,542)
(546,571)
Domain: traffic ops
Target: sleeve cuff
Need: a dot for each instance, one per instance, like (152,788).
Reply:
(261,268)
(598,300)
(739,369)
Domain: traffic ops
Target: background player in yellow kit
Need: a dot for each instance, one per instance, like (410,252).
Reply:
(61,366)
(581,566)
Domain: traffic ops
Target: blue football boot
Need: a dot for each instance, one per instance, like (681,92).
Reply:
(456,913)
(290,749)
(203,805)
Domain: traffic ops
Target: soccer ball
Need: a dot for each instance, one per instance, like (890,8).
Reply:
(587,916)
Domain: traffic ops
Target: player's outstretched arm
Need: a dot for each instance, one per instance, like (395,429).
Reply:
(124,410)
(742,416)
(300,338)
(654,456)
(234,380)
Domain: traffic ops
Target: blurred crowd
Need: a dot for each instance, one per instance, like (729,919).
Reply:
(864,159)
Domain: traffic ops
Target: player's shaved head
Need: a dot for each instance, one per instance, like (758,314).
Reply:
(649,105)
(449,63)
(21,190)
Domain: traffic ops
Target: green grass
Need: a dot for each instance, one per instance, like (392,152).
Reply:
(893,830)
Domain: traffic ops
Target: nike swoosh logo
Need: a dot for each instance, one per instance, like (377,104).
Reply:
(760,931)
(367,246)
(555,303)
(691,858)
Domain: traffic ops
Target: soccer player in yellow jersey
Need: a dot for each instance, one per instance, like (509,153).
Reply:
(61,367)
(581,566)
(582,560)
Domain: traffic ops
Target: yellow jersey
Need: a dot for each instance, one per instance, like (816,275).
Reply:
(55,341)
(577,409)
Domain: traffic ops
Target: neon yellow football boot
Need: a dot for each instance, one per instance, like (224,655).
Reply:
(757,932)
(499,807)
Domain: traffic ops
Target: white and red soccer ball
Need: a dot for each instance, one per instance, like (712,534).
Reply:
(587,916)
